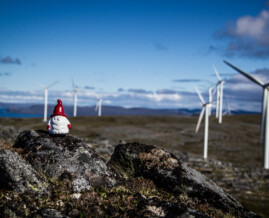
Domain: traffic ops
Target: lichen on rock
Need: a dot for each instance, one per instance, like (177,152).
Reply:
(171,174)
(18,175)
(58,156)
(70,180)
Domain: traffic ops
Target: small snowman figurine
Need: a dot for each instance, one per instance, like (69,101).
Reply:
(58,123)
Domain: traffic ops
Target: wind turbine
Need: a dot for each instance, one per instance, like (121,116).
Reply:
(75,98)
(219,96)
(264,134)
(228,109)
(99,107)
(205,109)
(46,98)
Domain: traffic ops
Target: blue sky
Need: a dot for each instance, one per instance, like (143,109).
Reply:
(132,53)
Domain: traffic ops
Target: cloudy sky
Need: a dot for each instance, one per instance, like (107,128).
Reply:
(148,53)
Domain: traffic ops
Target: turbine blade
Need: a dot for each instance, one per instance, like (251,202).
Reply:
(75,88)
(42,85)
(200,96)
(245,74)
(210,94)
(96,107)
(217,74)
(214,91)
(52,84)
(97,104)
(200,119)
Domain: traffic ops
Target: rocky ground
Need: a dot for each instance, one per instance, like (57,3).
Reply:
(61,176)
(248,184)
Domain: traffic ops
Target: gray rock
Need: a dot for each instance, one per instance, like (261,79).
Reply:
(72,166)
(80,184)
(171,174)
(49,213)
(18,175)
(61,157)
(8,133)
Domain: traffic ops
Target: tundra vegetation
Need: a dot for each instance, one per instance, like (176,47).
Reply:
(150,173)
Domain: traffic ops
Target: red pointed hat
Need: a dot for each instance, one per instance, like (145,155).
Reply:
(58,110)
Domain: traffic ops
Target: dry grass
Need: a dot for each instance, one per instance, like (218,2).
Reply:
(235,141)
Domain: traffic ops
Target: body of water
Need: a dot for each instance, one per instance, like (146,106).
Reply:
(4,113)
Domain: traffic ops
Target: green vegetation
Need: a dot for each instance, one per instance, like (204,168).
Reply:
(122,199)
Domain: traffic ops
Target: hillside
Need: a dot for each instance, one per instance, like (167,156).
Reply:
(36,110)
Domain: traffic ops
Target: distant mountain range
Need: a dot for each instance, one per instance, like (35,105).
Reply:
(37,109)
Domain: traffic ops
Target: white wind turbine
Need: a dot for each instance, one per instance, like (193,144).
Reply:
(228,109)
(75,98)
(99,107)
(46,98)
(219,96)
(264,134)
(205,109)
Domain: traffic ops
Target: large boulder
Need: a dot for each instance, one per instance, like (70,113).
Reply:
(65,157)
(18,175)
(138,181)
(171,174)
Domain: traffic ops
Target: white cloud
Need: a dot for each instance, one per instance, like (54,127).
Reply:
(248,36)
(163,97)
(86,98)
(253,27)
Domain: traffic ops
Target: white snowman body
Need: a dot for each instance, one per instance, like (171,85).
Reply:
(58,125)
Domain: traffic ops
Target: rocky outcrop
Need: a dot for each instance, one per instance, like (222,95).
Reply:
(18,175)
(171,174)
(71,180)
(65,157)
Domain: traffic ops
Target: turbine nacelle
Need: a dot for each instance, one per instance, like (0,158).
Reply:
(220,82)
(207,104)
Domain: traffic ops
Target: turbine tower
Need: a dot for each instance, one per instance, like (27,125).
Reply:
(210,99)
(205,109)
(264,134)
(99,107)
(46,98)
(75,98)
(219,96)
